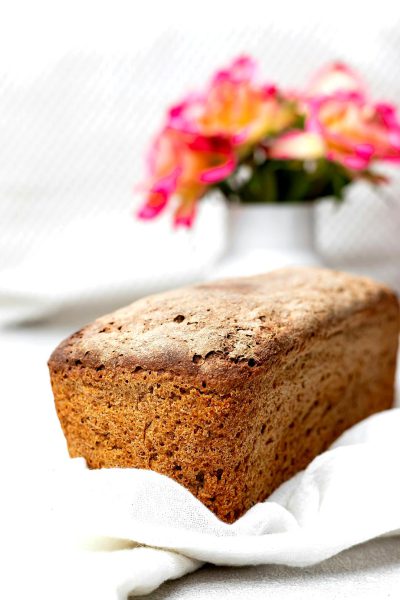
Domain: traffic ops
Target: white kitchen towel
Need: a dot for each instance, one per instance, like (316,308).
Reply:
(347,495)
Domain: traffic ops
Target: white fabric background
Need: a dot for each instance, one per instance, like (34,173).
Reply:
(84,86)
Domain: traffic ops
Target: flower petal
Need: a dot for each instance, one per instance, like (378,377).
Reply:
(356,132)
(356,163)
(242,69)
(333,78)
(160,193)
(220,172)
(167,184)
(298,145)
(185,213)
(154,204)
(218,158)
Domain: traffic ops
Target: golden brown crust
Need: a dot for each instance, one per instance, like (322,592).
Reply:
(222,331)
(229,387)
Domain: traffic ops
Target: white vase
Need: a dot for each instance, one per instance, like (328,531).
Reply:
(263,237)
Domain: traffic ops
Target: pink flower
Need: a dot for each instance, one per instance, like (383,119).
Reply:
(335,77)
(234,106)
(298,145)
(184,164)
(238,120)
(206,134)
(354,131)
(159,194)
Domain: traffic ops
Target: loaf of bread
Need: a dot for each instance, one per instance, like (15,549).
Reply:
(229,387)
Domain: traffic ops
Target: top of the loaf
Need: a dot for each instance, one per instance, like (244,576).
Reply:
(223,329)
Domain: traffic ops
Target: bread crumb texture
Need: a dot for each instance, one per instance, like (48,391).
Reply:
(229,387)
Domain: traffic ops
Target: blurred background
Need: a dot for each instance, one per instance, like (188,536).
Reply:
(83,89)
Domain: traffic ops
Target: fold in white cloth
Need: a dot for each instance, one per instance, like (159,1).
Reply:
(97,263)
(347,495)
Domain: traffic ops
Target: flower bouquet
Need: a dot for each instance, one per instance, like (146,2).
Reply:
(257,143)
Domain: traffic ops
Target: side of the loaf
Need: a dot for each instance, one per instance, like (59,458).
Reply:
(233,442)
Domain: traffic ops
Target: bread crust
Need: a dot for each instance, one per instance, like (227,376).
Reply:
(229,387)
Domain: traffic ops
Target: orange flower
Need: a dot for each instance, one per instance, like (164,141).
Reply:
(239,121)
(354,131)
(185,164)
(235,106)
(206,135)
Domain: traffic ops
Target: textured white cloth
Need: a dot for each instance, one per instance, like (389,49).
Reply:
(99,263)
(347,495)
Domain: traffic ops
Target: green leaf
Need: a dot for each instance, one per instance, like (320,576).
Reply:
(289,181)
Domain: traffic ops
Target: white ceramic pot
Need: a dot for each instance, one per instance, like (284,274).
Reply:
(262,237)
(284,227)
